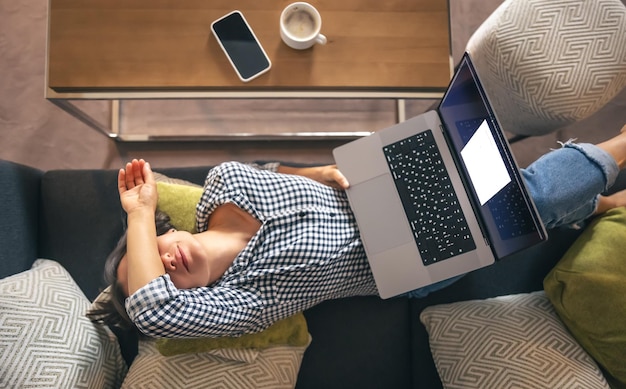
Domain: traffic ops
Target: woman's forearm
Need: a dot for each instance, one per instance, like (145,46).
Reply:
(327,175)
(290,170)
(138,196)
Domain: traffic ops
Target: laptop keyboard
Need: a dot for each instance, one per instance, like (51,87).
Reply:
(468,127)
(509,213)
(430,203)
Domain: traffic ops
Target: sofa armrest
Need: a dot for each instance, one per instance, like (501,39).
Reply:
(19,207)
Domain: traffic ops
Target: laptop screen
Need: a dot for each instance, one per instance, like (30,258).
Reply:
(489,170)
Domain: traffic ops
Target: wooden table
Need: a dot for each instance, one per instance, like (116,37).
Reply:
(144,49)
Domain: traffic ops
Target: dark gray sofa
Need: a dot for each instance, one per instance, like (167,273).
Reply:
(74,217)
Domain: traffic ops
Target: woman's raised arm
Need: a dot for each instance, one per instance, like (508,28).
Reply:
(138,195)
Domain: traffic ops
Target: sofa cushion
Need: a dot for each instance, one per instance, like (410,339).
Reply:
(19,207)
(588,290)
(509,341)
(291,331)
(179,203)
(80,222)
(272,368)
(45,338)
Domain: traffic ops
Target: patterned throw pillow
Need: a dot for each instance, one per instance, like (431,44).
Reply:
(513,341)
(271,368)
(45,338)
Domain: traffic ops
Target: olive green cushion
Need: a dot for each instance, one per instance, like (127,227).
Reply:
(179,203)
(588,290)
(291,331)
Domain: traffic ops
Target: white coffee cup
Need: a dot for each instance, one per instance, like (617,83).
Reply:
(300,26)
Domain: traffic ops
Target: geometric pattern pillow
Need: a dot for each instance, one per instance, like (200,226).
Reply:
(45,338)
(271,368)
(512,341)
(545,64)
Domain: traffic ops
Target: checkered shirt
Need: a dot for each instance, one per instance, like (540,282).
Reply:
(307,250)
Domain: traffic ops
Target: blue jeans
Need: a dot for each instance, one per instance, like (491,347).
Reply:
(565,185)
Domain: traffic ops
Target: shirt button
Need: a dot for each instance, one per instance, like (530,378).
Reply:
(302,214)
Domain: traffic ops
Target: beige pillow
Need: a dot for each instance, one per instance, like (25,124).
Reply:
(512,341)
(271,368)
(45,338)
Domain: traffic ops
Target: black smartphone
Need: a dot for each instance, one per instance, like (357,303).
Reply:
(241,46)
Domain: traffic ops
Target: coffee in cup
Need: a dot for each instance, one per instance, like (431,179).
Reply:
(300,25)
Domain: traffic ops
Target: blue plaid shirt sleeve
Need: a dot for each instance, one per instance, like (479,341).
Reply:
(161,310)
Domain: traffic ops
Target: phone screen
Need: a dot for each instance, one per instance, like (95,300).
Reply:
(241,46)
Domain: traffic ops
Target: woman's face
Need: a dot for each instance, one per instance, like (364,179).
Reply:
(183,258)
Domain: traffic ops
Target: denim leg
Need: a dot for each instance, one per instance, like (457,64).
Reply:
(565,183)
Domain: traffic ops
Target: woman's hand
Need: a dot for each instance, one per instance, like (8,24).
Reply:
(327,175)
(137,187)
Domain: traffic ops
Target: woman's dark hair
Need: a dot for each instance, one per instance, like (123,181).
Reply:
(109,306)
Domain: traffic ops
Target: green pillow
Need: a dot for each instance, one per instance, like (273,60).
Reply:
(179,203)
(291,331)
(588,290)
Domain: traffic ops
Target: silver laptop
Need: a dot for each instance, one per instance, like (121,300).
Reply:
(440,194)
